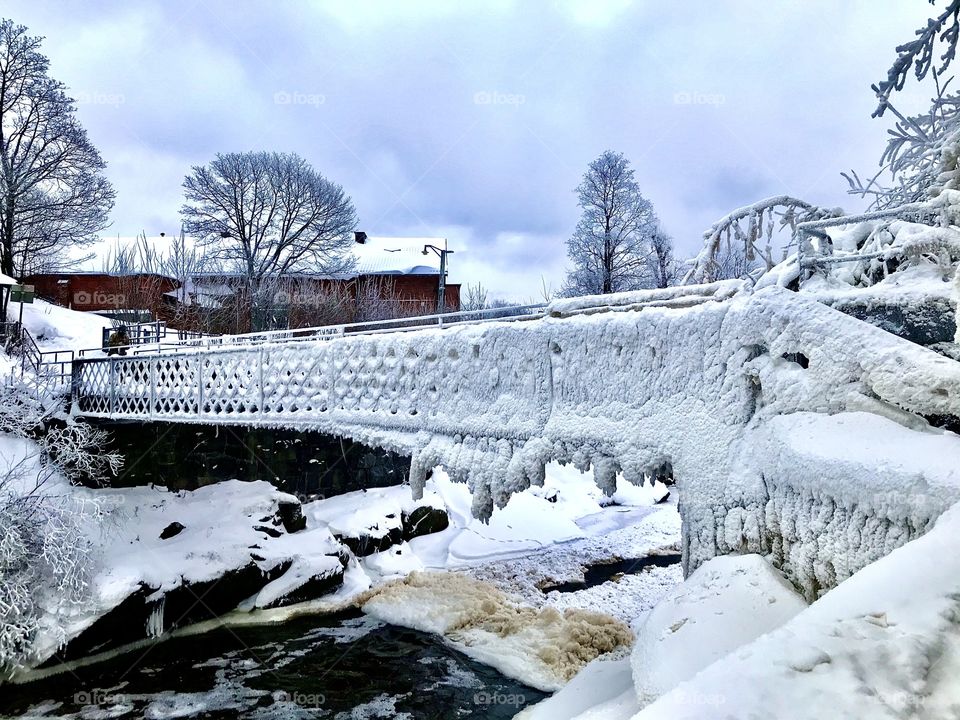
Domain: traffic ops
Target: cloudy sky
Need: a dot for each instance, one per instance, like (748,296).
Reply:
(475,120)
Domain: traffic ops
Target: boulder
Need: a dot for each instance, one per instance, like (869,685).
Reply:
(423,521)
(315,587)
(291,515)
(170,530)
(366,544)
(145,613)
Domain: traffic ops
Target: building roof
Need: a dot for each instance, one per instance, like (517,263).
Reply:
(379,255)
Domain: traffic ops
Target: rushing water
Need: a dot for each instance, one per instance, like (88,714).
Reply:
(346,666)
(601,572)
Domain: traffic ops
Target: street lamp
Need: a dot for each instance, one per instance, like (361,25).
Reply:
(442,293)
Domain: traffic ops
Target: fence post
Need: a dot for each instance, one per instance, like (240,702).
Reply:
(200,357)
(262,393)
(75,383)
(113,385)
(153,387)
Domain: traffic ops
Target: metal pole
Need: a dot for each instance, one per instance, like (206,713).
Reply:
(443,282)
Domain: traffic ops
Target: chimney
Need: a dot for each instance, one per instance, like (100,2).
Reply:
(360,237)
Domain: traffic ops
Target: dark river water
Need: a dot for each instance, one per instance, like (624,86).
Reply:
(341,667)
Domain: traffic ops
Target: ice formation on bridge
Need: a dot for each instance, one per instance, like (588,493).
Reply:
(715,384)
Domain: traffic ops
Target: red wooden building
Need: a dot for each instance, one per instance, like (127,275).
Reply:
(392,277)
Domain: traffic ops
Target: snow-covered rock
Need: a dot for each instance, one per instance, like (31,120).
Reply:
(728,602)
(884,644)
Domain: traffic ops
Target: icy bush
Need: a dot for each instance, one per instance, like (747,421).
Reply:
(46,556)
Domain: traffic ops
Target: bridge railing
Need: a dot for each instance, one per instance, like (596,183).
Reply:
(916,212)
(328,332)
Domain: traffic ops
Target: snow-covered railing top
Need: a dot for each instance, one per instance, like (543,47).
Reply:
(325,332)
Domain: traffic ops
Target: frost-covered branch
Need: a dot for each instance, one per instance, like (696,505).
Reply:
(749,230)
(919,54)
(920,156)
(46,556)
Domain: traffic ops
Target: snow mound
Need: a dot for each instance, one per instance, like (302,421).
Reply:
(884,644)
(727,602)
(542,648)
(58,328)
(603,690)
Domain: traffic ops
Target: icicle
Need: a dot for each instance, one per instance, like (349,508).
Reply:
(155,619)
(605,475)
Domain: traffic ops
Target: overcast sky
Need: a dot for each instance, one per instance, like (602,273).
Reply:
(475,120)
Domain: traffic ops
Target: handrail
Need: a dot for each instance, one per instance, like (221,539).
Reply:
(816,228)
(326,332)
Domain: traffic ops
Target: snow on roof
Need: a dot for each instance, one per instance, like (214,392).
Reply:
(397,256)
(378,255)
(7,280)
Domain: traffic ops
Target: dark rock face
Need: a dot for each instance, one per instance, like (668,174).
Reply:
(170,530)
(187,456)
(927,323)
(291,516)
(364,544)
(184,605)
(423,521)
(316,587)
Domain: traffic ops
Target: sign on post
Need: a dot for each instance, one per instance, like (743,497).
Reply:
(22,293)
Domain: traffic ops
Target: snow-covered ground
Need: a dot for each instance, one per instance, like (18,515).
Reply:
(59,328)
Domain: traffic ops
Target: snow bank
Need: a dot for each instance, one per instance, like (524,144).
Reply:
(728,602)
(542,648)
(58,328)
(884,644)
(603,690)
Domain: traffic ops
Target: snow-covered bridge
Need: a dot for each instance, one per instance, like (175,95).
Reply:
(728,389)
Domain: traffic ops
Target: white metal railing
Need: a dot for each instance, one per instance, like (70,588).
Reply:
(328,332)
(225,346)
(915,212)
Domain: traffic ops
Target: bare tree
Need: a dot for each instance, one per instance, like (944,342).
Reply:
(664,268)
(610,245)
(52,189)
(475,298)
(268,214)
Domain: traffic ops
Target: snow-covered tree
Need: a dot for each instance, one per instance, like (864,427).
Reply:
(46,556)
(664,268)
(610,247)
(264,214)
(919,54)
(920,158)
(52,189)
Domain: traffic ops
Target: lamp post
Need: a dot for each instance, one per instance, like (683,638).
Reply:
(442,292)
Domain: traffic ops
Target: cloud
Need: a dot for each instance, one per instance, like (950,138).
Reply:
(476,121)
